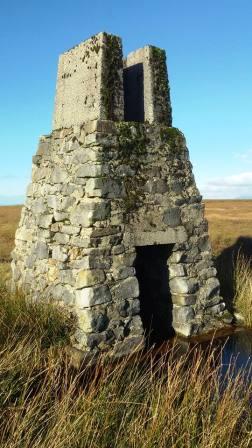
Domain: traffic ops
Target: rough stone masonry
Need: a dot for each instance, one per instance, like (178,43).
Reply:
(113,224)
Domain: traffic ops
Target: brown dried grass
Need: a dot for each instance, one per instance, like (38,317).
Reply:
(9,217)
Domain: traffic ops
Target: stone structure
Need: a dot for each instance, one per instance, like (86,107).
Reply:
(113,225)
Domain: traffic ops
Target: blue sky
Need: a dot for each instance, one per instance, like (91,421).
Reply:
(208,45)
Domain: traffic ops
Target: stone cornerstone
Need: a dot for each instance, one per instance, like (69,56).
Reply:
(113,224)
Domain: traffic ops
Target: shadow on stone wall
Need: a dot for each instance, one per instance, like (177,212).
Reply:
(226,264)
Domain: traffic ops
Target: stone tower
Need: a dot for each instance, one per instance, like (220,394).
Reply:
(113,225)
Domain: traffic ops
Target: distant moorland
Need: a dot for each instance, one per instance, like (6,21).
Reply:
(228,221)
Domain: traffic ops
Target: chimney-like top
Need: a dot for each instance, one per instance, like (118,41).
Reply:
(95,83)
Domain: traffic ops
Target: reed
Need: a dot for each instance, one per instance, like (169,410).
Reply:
(243,288)
(161,401)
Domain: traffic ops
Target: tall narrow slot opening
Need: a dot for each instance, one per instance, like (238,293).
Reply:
(133,93)
(155,296)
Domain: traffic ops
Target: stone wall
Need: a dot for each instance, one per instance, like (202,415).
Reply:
(96,194)
(103,192)
(156,94)
(89,82)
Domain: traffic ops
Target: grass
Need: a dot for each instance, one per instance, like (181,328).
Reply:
(9,217)
(243,288)
(162,401)
(230,229)
(228,221)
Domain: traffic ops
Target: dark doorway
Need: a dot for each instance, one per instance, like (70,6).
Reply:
(133,93)
(155,297)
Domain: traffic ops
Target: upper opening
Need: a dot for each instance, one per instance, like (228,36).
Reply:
(133,83)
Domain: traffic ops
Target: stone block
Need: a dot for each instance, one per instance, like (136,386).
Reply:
(81,241)
(90,277)
(82,263)
(91,321)
(59,216)
(211,288)
(59,254)
(184,299)
(91,170)
(62,293)
(66,276)
(89,297)
(103,126)
(103,187)
(53,273)
(135,326)
(227,317)
(45,221)
(124,259)
(84,155)
(185,329)
(88,213)
(205,274)
(134,306)
(40,251)
(193,213)
(183,285)
(176,270)
(128,345)
(172,217)
(59,175)
(85,320)
(123,272)
(176,257)
(53,201)
(119,249)
(70,230)
(43,147)
(61,238)
(40,173)
(100,260)
(156,186)
(204,243)
(24,234)
(140,238)
(126,289)
(38,206)
(182,314)
(216,309)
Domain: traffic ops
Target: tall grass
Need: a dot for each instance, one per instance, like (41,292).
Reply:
(9,217)
(243,288)
(159,401)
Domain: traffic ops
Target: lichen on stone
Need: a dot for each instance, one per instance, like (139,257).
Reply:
(172,138)
(133,145)
(111,81)
(161,83)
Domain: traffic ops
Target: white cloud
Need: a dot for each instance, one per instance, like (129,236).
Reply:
(245,156)
(229,187)
(242,179)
